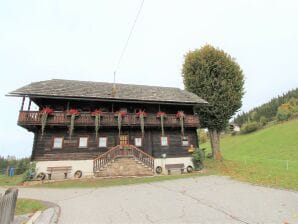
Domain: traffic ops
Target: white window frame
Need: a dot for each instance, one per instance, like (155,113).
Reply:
(138,141)
(162,141)
(86,142)
(100,145)
(58,145)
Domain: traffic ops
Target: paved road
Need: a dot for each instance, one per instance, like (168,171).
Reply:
(209,199)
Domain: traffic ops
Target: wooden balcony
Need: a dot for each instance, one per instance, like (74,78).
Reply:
(108,119)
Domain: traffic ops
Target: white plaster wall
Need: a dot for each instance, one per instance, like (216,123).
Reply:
(187,161)
(86,166)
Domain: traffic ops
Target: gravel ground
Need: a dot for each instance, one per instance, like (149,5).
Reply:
(208,199)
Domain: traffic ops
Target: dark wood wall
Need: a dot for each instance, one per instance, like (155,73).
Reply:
(62,104)
(43,146)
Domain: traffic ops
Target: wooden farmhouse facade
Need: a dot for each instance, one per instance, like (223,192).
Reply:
(81,128)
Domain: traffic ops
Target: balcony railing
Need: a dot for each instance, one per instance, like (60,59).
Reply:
(108,119)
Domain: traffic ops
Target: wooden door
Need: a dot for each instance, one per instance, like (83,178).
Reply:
(124,140)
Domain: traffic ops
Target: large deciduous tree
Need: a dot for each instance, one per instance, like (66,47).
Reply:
(216,77)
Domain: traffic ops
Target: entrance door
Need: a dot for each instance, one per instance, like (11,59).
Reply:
(123,139)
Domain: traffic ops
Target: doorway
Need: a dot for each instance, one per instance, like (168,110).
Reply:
(124,140)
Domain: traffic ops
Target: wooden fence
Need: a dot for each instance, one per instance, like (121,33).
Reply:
(7,205)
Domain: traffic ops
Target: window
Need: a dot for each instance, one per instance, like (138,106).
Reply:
(138,142)
(164,141)
(83,142)
(102,142)
(58,142)
(185,141)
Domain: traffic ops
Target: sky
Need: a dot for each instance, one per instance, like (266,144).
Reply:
(82,40)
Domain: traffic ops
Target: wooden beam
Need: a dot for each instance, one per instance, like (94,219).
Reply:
(23,102)
(29,105)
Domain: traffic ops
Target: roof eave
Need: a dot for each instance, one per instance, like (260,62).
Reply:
(13,94)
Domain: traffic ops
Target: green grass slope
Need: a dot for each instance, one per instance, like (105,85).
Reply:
(268,156)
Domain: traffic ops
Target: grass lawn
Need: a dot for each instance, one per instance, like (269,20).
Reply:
(268,157)
(10,181)
(25,206)
(85,183)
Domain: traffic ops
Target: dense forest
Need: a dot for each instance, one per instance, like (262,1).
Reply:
(279,108)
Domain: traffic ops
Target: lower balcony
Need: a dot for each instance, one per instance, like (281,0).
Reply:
(108,119)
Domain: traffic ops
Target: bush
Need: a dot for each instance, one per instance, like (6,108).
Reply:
(30,172)
(249,127)
(284,111)
(198,159)
(203,137)
(263,120)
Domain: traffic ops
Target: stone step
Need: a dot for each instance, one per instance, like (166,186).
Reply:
(124,166)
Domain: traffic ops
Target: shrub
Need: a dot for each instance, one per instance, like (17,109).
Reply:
(263,120)
(249,127)
(30,172)
(203,137)
(284,111)
(198,157)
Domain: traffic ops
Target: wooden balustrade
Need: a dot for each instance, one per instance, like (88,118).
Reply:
(107,119)
(127,150)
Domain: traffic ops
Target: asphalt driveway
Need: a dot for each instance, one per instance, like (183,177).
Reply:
(208,199)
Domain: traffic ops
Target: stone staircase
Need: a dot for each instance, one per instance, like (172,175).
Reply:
(123,166)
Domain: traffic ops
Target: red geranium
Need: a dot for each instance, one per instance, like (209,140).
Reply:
(47,110)
(180,114)
(122,113)
(141,113)
(96,112)
(161,113)
(73,112)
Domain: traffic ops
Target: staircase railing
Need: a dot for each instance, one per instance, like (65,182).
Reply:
(119,150)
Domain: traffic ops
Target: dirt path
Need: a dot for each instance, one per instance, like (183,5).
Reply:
(210,199)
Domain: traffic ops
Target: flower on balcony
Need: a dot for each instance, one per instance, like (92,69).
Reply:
(162,115)
(120,115)
(97,114)
(142,114)
(180,115)
(72,113)
(45,112)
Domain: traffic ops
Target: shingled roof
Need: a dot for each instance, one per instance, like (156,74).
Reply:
(58,88)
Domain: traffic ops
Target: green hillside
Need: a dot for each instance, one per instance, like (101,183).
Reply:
(268,156)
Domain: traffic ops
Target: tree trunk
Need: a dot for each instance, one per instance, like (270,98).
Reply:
(215,144)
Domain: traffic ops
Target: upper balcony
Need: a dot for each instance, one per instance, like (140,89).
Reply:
(108,119)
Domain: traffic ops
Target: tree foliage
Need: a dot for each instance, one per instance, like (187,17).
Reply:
(268,110)
(215,76)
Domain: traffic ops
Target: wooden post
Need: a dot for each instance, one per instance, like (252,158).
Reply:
(23,102)
(29,105)
(7,205)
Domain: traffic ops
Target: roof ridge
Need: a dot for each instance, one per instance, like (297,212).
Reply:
(73,80)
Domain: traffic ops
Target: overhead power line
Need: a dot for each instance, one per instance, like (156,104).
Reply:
(127,41)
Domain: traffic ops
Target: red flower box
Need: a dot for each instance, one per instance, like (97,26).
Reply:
(122,113)
(141,113)
(180,114)
(73,112)
(161,113)
(47,110)
(96,113)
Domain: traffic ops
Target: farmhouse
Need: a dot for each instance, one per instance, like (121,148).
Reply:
(87,128)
